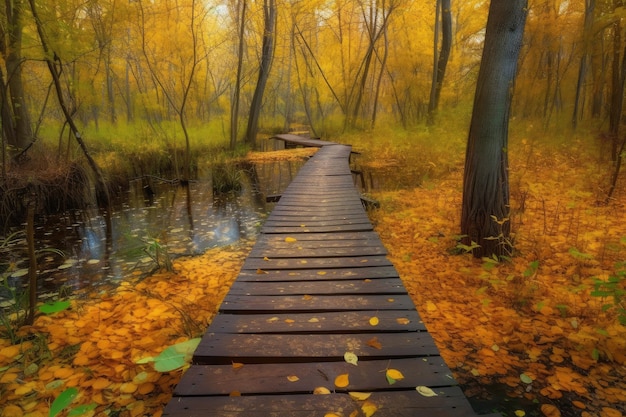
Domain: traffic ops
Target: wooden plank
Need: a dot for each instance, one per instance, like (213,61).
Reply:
(271,223)
(318,229)
(368,376)
(315,263)
(223,348)
(307,303)
(311,252)
(379,286)
(317,274)
(318,322)
(329,237)
(450,403)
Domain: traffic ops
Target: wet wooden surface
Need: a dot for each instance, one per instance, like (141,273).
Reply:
(317,284)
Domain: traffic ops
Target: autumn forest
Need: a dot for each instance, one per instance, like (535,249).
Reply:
(528,312)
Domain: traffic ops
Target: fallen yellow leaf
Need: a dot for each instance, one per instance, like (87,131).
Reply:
(237,365)
(321,391)
(403,320)
(342,381)
(293,378)
(359,396)
(351,358)
(289,321)
(369,408)
(290,239)
(374,321)
(393,375)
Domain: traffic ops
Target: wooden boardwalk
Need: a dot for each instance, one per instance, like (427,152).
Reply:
(304,297)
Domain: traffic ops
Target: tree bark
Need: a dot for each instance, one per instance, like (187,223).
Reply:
(441,57)
(234,107)
(590,6)
(485,207)
(267,55)
(22,134)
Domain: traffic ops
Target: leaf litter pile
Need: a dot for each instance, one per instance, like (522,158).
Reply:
(114,351)
(546,324)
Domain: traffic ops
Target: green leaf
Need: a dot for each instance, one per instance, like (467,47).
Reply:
(595,354)
(81,409)
(51,308)
(62,401)
(526,379)
(176,356)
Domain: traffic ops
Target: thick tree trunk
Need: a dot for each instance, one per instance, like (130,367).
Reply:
(267,55)
(485,208)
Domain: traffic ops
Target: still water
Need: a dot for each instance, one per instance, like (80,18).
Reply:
(170,219)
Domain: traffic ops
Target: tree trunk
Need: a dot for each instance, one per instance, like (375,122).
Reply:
(485,207)
(12,53)
(234,107)
(267,55)
(590,6)
(441,57)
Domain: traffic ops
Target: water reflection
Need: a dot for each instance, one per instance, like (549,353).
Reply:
(184,220)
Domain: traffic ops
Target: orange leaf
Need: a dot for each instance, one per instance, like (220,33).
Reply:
(403,320)
(549,410)
(342,381)
(373,342)
(237,365)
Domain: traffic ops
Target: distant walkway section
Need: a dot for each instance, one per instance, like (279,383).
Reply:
(318,309)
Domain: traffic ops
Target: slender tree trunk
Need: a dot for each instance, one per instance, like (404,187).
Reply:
(52,60)
(590,6)
(234,108)
(485,207)
(617,91)
(267,55)
(441,60)
(383,63)
(23,134)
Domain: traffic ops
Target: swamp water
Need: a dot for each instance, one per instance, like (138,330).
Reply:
(148,229)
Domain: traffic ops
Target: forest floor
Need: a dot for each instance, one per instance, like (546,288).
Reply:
(528,326)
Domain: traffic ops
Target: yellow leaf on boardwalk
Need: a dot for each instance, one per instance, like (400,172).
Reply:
(393,375)
(342,381)
(293,378)
(290,239)
(321,391)
(403,320)
(351,358)
(359,396)
(237,365)
(369,408)
(374,321)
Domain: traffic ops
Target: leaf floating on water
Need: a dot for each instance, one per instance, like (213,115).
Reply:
(369,408)
(293,378)
(290,239)
(393,376)
(342,381)
(359,396)
(374,321)
(351,358)
(373,342)
(425,391)
(321,391)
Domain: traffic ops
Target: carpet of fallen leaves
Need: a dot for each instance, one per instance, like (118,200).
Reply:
(94,346)
(529,325)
